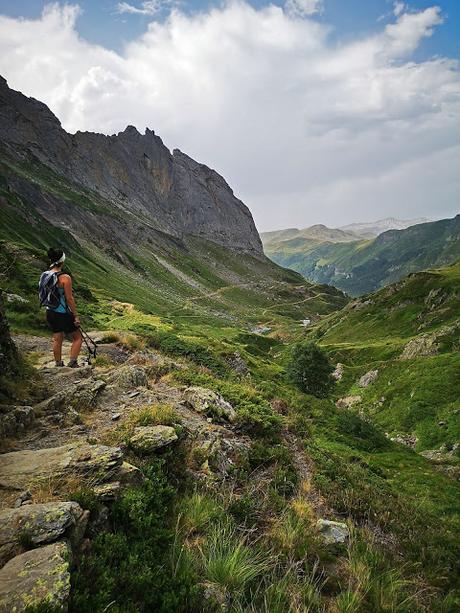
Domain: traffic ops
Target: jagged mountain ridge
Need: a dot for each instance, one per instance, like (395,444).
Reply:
(139,225)
(135,173)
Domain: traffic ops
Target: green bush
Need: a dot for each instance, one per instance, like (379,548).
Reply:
(310,369)
(179,347)
(132,569)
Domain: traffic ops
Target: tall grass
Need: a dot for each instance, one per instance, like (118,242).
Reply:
(372,584)
(229,562)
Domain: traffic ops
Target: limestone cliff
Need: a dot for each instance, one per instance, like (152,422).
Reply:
(135,173)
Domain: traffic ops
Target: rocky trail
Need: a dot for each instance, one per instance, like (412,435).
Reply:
(77,437)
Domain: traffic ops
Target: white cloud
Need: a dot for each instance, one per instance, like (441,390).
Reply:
(304,8)
(304,131)
(398,8)
(150,7)
(404,36)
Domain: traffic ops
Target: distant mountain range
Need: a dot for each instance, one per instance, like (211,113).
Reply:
(358,265)
(374,228)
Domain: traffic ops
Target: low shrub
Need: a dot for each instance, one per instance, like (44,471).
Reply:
(310,369)
(132,569)
(178,347)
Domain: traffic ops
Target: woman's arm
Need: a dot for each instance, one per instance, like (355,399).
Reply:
(66,282)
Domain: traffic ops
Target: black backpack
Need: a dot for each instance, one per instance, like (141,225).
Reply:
(48,292)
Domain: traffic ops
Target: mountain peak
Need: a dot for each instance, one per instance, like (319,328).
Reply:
(135,172)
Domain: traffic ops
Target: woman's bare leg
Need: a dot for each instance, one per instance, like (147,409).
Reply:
(77,340)
(58,338)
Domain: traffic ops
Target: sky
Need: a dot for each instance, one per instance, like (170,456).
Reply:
(314,111)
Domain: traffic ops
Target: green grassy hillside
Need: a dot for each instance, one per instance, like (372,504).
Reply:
(362,266)
(410,333)
(191,280)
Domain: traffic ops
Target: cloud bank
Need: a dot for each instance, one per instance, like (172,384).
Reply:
(303,130)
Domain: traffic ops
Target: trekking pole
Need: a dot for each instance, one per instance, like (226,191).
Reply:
(92,350)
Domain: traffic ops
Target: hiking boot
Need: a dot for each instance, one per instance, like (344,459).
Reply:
(73,364)
(59,363)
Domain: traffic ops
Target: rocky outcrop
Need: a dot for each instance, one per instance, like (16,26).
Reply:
(347,402)
(128,377)
(420,346)
(206,401)
(134,173)
(71,400)
(37,524)
(426,345)
(368,378)
(333,532)
(20,469)
(147,439)
(36,580)
(338,372)
(15,419)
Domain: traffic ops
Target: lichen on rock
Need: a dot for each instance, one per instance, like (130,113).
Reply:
(36,578)
(206,401)
(147,439)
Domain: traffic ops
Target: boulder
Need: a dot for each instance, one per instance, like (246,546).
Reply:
(37,524)
(347,402)
(237,363)
(368,378)
(16,298)
(206,401)
(36,579)
(128,377)
(147,439)
(14,420)
(409,440)
(20,469)
(422,346)
(442,454)
(333,532)
(73,398)
(338,372)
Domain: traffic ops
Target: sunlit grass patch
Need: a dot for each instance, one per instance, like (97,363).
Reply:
(149,415)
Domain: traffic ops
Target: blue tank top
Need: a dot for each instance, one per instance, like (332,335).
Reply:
(62,308)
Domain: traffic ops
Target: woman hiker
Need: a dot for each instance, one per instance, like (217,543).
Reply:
(63,318)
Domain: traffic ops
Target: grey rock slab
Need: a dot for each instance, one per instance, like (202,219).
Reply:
(147,439)
(21,469)
(333,532)
(107,491)
(78,397)
(39,524)
(128,376)
(39,577)
(206,401)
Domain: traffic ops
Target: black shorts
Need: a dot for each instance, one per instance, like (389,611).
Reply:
(61,322)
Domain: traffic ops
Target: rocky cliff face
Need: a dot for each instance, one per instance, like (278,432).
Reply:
(134,172)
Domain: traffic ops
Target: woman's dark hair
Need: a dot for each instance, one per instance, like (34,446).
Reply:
(54,255)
